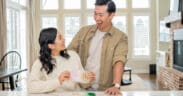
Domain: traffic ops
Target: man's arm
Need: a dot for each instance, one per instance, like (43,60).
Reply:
(118,72)
(117,76)
(119,60)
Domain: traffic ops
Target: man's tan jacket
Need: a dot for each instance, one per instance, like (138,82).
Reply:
(114,48)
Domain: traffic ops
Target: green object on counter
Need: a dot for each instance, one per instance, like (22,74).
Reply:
(90,94)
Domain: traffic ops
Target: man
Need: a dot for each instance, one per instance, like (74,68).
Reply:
(103,49)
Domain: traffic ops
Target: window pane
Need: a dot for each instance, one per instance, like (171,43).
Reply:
(71,25)
(120,3)
(72,4)
(120,22)
(164,32)
(49,4)
(23,2)
(141,35)
(23,37)
(16,1)
(90,20)
(49,21)
(140,3)
(16,32)
(13,29)
(90,4)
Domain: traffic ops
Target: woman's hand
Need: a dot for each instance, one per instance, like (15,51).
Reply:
(90,76)
(64,76)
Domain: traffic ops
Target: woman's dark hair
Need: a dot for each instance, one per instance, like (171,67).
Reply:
(48,36)
(111,7)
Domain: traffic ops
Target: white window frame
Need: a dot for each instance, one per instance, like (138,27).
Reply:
(142,56)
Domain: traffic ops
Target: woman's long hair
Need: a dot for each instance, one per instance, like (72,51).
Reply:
(48,36)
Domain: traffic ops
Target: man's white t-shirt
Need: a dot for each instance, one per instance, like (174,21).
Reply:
(93,61)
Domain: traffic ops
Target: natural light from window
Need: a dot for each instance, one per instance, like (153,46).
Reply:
(140,3)
(49,21)
(71,27)
(141,35)
(120,22)
(49,4)
(90,4)
(120,3)
(72,4)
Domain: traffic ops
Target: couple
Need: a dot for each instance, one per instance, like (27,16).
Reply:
(102,49)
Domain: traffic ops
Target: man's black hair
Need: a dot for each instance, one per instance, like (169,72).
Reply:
(111,7)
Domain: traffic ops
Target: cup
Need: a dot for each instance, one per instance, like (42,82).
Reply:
(79,76)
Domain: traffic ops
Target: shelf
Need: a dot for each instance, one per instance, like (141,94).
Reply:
(174,17)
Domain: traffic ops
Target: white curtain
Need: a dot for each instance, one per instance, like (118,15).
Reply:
(33,34)
(2,27)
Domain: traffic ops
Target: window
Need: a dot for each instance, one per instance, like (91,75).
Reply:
(69,15)
(120,22)
(141,35)
(90,20)
(71,27)
(21,2)
(90,4)
(140,3)
(120,3)
(72,4)
(16,28)
(164,35)
(49,4)
(49,21)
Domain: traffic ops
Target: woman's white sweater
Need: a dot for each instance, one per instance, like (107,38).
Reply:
(41,82)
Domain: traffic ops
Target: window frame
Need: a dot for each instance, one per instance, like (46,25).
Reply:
(133,34)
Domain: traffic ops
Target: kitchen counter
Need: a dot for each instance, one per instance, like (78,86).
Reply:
(98,93)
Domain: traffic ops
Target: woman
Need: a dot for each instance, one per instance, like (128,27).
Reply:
(52,71)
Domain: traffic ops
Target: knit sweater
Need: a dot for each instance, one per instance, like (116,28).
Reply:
(41,82)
